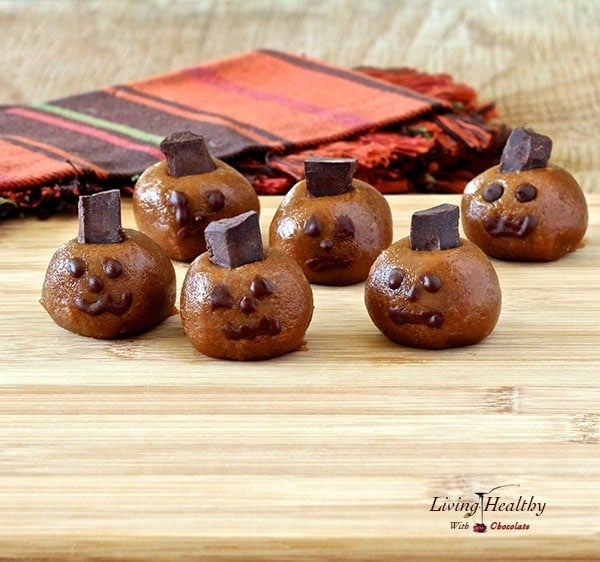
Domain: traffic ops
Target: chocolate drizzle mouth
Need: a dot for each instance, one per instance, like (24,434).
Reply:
(519,227)
(324,264)
(267,326)
(105,304)
(430,318)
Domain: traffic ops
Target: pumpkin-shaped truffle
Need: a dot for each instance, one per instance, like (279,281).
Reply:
(108,282)
(433,289)
(331,224)
(525,208)
(242,301)
(174,200)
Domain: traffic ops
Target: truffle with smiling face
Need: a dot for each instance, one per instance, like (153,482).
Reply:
(108,282)
(525,208)
(433,289)
(332,225)
(242,301)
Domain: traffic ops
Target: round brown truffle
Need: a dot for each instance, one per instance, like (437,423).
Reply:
(109,290)
(254,311)
(335,238)
(538,214)
(433,299)
(174,211)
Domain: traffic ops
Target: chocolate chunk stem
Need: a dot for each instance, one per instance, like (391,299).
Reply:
(234,241)
(329,176)
(100,218)
(186,154)
(435,228)
(524,150)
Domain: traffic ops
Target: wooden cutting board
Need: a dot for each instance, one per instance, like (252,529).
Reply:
(351,449)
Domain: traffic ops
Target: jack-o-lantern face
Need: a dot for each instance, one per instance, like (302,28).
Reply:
(332,248)
(335,238)
(244,323)
(109,290)
(254,311)
(174,211)
(95,298)
(410,290)
(520,224)
(538,214)
(433,299)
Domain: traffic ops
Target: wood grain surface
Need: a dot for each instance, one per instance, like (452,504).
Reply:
(142,449)
(538,59)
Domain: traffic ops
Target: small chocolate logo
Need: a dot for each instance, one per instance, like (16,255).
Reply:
(508,512)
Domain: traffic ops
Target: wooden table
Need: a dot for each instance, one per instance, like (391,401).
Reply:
(142,449)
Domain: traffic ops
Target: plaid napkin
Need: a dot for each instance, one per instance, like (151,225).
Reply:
(263,112)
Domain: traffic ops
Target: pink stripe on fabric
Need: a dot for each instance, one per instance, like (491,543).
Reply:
(210,77)
(84,129)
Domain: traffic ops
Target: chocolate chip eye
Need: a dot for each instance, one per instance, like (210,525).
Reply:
(396,277)
(526,192)
(344,227)
(260,287)
(312,226)
(220,297)
(112,267)
(215,200)
(76,267)
(431,283)
(493,191)
(180,202)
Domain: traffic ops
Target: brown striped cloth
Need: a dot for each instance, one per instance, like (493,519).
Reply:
(263,112)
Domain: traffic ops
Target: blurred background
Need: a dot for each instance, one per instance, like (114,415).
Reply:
(537,59)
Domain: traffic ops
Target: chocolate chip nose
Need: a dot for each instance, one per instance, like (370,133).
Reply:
(326,244)
(248,305)
(412,293)
(94,284)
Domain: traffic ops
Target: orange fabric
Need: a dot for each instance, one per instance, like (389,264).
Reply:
(263,112)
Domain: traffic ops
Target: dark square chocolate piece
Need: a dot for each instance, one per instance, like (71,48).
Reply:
(186,154)
(435,228)
(524,150)
(100,218)
(329,176)
(234,241)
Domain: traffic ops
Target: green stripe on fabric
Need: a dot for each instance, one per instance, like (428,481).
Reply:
(99,123)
